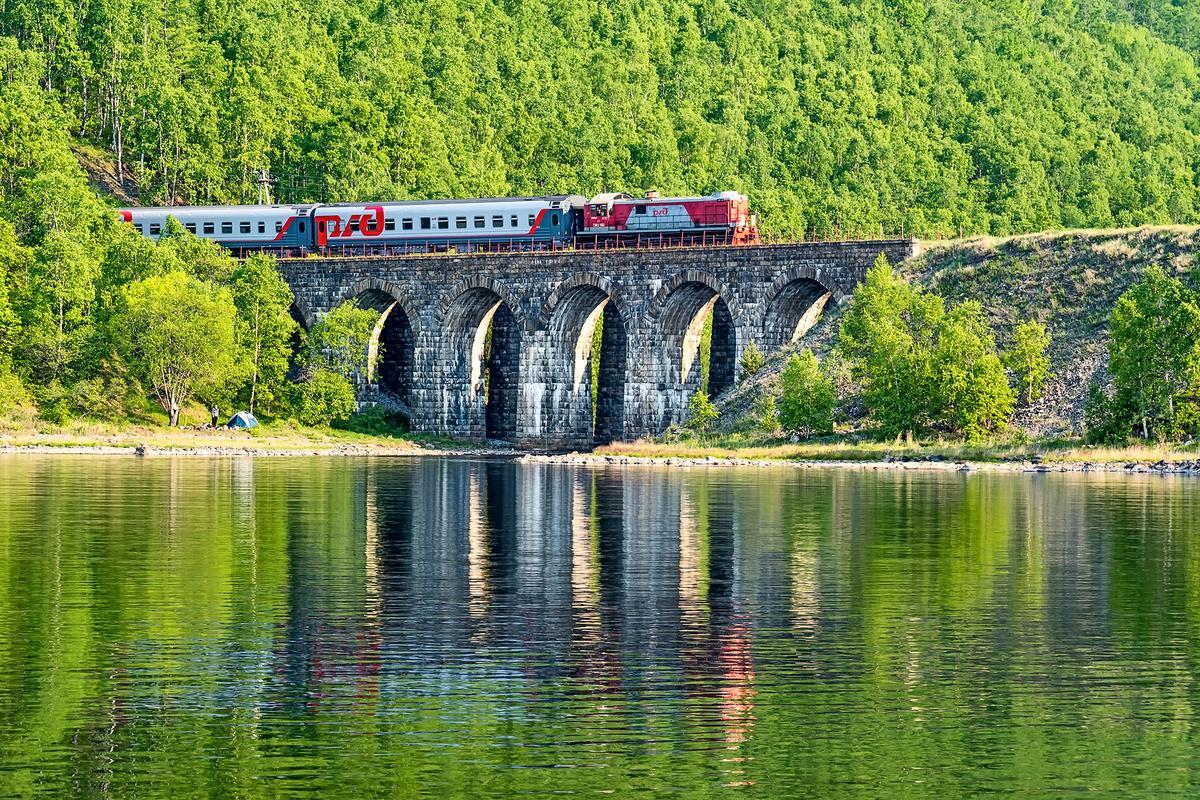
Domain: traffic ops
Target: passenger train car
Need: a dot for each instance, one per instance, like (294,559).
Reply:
(514,223)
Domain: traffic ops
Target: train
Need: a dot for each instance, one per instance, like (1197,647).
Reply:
(480,225)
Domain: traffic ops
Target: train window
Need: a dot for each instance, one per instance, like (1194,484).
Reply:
(480,222)
(639,209)
(353,226)
(460,223)
(497,222)
(302,226)
(514,220)
(406,224)
(191,227)
(137,226)
(443,223)
(532,220)
(278,226)
(262,227)
(425,223)
(244,227)
(226,227)
(210,228)
(155,229)
(554,219)
(389,224)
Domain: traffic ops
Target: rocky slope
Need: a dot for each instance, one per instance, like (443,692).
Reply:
(1068,281)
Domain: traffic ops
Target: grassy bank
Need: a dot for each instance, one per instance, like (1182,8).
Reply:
(280,437)
(1048,452)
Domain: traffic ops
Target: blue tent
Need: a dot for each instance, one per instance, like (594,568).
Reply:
(242,419)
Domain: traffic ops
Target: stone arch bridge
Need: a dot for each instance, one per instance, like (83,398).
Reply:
(500,345)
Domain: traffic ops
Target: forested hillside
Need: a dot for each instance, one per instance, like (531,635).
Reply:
(987,116)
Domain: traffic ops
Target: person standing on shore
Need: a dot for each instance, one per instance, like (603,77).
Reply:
(216,414)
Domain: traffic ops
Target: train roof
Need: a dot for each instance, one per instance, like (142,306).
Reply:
(535,199)
(559,198)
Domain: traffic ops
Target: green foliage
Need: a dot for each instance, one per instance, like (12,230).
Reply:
(807,398)
(704,353)
(12,393)
(179,337)
(702,414)
(752,361)
(767,414)
(594,363)
(920,366)
(375,421)
(322,399)
(1106,418)
(889,335)
(1028,360)
(340,340)
(264,327)
(1154,352)
(933,114)
(974,397)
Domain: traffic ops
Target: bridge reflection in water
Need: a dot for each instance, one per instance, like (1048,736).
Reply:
(406,627)
(617,582)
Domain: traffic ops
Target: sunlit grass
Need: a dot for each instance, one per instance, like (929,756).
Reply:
(1053,451)
(23,429)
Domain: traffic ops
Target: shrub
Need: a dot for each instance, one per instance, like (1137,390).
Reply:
(768,414)
(807,398)
(324,398)
(701,412)
(1106,419)
(752,361)
(12,393)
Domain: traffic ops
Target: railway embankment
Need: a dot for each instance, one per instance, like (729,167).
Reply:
(1068,281)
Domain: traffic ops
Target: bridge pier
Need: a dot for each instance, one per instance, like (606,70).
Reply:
(501,345)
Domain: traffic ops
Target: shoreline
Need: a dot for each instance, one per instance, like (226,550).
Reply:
(1184,467)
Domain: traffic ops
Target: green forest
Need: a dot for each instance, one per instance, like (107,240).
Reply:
(998,117)
(918,116)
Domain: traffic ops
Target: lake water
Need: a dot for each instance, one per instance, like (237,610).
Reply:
(434,627)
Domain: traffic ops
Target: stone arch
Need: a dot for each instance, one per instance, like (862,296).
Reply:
(479,354)
(693,276)
(575,311)
(486,284)
(678,314)
(391,352)
(794,304)
(569,285)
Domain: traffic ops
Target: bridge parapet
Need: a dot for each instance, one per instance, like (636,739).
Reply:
(530,379)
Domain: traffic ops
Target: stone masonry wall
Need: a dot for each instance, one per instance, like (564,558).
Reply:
(554,298)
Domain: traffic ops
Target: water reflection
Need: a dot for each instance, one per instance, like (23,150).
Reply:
(488,628)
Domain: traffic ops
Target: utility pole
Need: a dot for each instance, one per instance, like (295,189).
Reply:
(264,182)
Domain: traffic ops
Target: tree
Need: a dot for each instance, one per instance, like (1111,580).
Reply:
(339,341)
(1154,352)
(752,361)
(889,334)
(1106,418)
(807,398)
(701,412)
(264,325)
(974,396)
(768,414)
(178,337)
(323,398)
(11,257)
(1028,360)
(201,258)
